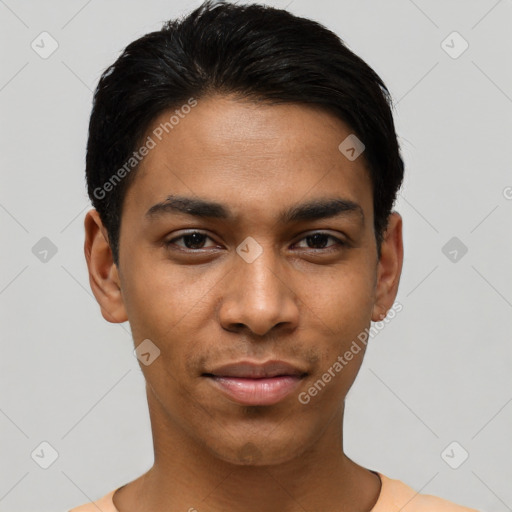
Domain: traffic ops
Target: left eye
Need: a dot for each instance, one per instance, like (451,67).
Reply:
(319,240)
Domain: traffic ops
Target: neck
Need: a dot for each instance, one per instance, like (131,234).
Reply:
(188,476)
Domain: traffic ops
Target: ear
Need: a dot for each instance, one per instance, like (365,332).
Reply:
(103,274)
(389,267)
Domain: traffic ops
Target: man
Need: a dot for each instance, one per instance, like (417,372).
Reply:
(243,166)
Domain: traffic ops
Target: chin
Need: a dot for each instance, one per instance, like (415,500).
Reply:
(262,452)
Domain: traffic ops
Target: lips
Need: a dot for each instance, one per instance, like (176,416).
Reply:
(256,384)
(246,369)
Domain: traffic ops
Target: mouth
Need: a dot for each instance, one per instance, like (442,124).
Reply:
(248,383)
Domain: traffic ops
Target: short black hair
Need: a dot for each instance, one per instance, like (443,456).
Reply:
(255,52)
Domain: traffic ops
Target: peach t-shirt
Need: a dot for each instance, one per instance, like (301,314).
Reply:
(394,496)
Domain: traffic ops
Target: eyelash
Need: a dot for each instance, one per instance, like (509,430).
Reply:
(335,247)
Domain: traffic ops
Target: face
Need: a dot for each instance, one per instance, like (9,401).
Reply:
(247,236)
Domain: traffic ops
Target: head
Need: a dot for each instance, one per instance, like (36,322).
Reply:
(230,223)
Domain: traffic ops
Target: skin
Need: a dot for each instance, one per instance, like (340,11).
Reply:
(300,301)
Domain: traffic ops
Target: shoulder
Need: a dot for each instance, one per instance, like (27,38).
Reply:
(104,504)
(397,495)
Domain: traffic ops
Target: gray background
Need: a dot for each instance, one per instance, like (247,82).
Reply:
(438,373)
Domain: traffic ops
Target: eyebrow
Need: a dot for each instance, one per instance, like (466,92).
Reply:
(312,210)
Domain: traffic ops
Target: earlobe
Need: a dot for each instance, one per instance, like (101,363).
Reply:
(103,273)
(389,267)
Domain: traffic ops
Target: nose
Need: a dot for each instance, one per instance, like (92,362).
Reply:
(259,296)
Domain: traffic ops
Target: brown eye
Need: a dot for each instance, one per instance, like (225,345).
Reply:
(193,241)
(320,241)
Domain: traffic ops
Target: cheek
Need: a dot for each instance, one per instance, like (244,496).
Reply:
(342,311)
(158,296)
(342,303)
(341,314)
(171,306)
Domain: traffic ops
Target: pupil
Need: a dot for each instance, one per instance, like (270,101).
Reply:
(194,239)
(317,239)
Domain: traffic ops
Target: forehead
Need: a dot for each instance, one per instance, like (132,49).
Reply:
(248,152)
